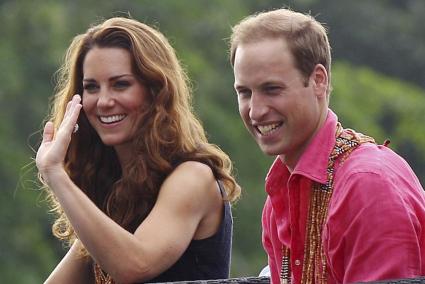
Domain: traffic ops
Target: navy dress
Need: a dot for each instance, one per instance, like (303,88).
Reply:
(207,258)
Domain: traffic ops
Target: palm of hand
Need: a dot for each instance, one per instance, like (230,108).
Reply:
(52,151)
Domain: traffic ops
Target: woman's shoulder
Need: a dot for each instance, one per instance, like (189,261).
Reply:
(193,170)
(194,167)
(192,189)
(191,176)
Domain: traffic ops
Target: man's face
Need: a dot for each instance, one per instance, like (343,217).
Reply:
(279,107)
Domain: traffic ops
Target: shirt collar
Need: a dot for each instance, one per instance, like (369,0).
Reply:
(278,172)
(313,162)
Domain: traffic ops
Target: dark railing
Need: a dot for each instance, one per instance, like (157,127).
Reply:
(257,280)
(401,281)
(266,280)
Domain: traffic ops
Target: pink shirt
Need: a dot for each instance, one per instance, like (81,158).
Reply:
(375,228)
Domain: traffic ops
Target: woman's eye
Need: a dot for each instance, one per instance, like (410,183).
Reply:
(121,84)
(90,88)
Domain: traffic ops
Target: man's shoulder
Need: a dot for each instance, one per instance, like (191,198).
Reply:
(375,159)
(375,168)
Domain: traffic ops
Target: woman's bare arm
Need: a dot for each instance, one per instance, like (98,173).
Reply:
(187,199)
(72,268)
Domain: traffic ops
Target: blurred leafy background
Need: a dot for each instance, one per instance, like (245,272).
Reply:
(378,77)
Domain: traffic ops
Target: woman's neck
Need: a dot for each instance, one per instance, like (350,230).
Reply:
(124,154)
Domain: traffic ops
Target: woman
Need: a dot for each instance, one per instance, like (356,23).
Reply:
(139,192)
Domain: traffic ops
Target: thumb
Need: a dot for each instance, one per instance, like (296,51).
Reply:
(48,133)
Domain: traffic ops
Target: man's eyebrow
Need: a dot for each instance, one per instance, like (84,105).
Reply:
(238,86)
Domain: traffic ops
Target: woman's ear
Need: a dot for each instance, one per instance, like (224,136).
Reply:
(319,77)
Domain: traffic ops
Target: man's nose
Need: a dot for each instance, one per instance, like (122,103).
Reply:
(258,107)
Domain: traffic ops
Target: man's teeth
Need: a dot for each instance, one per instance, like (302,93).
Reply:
(112,118)
(267,129)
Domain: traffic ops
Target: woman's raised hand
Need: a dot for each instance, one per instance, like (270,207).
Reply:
(53,148)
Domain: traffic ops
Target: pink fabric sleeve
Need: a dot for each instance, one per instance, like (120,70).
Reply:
(268,242)
(373,231)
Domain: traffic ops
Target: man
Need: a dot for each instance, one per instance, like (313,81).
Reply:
(340,208)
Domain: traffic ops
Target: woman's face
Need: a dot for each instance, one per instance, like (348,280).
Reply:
(113,98)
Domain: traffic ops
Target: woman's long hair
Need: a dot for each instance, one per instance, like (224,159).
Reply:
(167,135)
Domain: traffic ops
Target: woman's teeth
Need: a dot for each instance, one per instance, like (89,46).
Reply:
(112,118)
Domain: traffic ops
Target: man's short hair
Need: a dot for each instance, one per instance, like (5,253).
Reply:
(306,38)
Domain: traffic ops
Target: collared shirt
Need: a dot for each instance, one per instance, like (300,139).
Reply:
(375,228)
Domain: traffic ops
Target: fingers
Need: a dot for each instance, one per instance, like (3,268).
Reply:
(75,109)
(55,143)
(71,115)
(74,105)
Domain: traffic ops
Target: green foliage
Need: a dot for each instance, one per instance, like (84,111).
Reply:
(36,34)
(383,107)
(383,34)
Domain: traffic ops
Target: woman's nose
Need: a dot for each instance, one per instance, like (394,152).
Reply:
(106,99)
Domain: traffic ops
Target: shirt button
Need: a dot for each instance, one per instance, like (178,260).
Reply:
(297,262)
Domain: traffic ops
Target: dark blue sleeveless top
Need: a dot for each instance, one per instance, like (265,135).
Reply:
(206,258)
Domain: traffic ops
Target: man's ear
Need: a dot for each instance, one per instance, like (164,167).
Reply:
(319,78)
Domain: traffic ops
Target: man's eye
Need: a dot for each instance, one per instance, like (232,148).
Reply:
(243,93)
(272,89)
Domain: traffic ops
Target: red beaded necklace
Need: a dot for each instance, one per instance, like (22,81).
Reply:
(314,264)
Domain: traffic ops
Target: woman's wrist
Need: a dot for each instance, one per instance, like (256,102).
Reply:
(54,176)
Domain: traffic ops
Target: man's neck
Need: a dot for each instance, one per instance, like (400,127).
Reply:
(289,163)
(291,159)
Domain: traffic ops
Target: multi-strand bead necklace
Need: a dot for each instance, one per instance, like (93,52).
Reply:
(314,264)
(100,276)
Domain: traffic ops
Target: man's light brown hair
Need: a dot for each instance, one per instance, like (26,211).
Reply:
(306,38)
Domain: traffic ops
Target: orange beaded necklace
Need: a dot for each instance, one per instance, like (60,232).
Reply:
(100,276)
(314,264)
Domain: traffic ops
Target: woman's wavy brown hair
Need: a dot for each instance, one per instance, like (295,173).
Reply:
(167,135)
